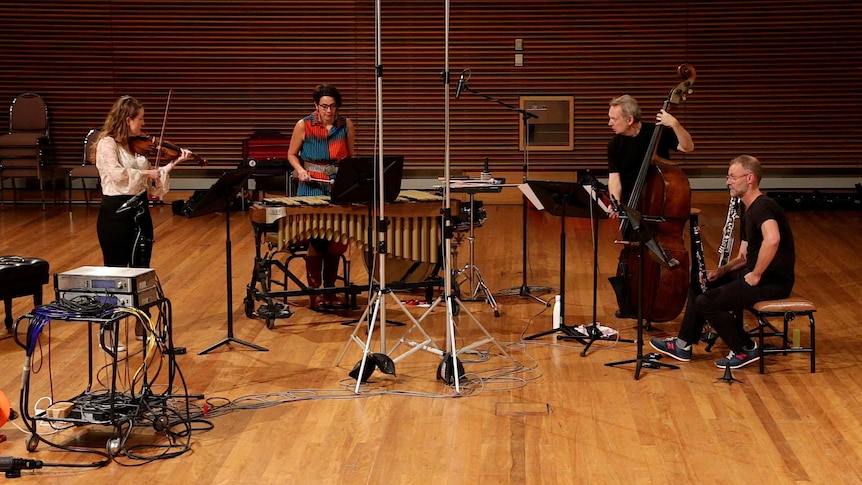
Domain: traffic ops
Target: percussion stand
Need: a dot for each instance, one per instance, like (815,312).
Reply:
(645,239)
(473,275)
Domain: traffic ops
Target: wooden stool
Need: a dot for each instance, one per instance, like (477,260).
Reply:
(788,309)
(21,277)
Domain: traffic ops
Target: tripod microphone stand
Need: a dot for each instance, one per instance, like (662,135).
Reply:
(524,290)
(450,369)
(353,185)
(645,239)
(369,360)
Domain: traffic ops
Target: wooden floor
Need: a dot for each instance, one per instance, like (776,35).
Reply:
(546,415)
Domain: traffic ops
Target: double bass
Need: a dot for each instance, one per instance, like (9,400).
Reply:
(662,196)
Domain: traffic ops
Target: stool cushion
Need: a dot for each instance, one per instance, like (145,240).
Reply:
(22,276)
(792,305)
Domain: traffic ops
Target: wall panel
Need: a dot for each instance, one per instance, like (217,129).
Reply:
(778,79)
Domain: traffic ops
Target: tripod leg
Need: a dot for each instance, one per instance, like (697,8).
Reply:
(428,343)
(489,297)
(372,305)
(367,348)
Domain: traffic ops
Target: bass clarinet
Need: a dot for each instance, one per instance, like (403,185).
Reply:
(700,263)
(726,246)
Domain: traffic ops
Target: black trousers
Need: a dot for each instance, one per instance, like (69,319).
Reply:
(722,307)
(119,237)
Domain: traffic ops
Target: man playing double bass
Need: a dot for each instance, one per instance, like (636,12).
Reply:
(628,160)
(628,147)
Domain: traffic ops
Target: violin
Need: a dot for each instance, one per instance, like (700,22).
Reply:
(149,145)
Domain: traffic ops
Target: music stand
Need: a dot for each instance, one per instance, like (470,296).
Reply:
(354,183)
(566,199)
(645,238)
(217,199)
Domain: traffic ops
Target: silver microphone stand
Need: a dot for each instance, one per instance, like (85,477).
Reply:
(376,303)
(453,305)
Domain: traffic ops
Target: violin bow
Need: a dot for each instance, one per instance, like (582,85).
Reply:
(164,125)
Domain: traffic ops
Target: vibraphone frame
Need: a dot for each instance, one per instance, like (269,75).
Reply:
(265,224)
(260,287)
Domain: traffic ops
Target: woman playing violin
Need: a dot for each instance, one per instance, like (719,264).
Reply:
(124,227)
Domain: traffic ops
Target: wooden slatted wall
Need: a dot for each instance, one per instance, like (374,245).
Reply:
(778,79)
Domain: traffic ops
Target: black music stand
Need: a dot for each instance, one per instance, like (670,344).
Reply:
(645,238)
(218,199)
(354,183)
(567,199)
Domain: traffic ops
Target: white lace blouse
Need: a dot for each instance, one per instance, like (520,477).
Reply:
(120,171)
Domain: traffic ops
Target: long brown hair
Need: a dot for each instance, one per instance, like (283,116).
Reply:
(115,124)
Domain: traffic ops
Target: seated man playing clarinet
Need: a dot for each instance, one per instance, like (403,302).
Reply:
(762,270)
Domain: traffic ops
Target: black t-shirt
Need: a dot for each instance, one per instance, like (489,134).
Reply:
(626,154)
(781,270)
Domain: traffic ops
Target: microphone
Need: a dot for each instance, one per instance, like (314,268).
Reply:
(461,84)
(133,202)
(13,466)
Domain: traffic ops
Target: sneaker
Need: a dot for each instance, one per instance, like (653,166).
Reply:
(669,346)
(736,360)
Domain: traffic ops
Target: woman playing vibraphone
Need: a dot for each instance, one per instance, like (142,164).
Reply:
(318,142)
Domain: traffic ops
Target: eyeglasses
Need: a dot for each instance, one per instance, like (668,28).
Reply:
(731,177)
(326,107)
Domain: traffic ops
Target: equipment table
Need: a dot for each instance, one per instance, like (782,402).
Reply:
(107,407)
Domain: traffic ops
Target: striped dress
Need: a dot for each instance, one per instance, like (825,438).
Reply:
(320,152)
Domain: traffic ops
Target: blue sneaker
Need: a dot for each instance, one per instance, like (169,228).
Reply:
(670,346)
(741,359)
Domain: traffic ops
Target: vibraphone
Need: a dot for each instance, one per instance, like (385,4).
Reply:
(413,240)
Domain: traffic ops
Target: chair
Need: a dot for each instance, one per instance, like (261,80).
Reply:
(87,170)
(24,150)
(21,277)
(787,309)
